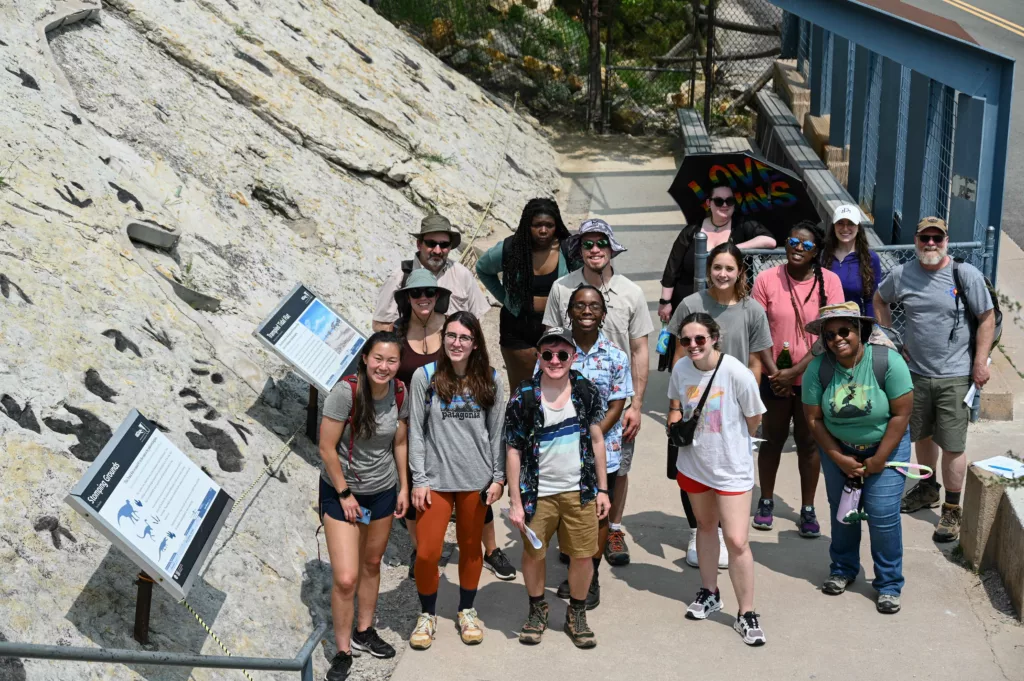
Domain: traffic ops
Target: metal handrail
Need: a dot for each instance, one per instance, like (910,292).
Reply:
(966,245)
(302,662)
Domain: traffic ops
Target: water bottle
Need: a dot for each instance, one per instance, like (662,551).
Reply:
(663,339)
(976,407)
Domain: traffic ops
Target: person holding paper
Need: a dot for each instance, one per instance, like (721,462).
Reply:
(458,461)
(555,451)
(950,326)
(363,484)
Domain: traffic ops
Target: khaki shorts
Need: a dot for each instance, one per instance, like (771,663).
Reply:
(939,411)
(576,525)
(625,459)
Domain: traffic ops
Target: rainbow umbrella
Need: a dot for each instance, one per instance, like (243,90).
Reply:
(764,192)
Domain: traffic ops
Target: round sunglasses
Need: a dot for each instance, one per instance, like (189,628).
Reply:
(841,332)
(562,355)
(800,244)
(699,341)
(426,292)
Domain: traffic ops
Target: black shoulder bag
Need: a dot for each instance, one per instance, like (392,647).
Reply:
(681,432)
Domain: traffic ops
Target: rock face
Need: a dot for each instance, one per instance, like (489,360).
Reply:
(255,143)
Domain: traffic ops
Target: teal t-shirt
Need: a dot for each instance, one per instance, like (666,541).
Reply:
(856,408)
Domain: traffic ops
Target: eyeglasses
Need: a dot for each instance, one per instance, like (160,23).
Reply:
(803,245)
(931,238)
(720,201)
(842,332)
(457,338)
(562,355)
(700,341)
(580,306)
(428,292)
(600,243)
(443,245)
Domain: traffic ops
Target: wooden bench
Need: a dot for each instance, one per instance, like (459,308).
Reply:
(695,136)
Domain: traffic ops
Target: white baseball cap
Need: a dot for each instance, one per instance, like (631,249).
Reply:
(847,211)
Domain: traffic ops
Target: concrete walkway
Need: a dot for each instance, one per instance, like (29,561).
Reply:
(949,627)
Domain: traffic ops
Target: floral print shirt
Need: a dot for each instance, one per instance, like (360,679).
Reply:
(607,367)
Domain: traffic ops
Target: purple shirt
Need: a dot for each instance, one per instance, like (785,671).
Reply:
(853,288)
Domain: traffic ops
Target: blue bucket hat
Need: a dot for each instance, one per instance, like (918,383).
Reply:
(594,226)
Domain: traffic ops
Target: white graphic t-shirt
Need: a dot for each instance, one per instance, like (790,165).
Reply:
(560,467)
(720,456)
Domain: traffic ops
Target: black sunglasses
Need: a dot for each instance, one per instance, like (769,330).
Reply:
(700,341)
(562,355)
(931,238)
(806,245)
(842,332)
(600,243)
(724,201)
(428,292)
(443,245)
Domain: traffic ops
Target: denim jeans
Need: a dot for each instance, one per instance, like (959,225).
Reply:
(881,500)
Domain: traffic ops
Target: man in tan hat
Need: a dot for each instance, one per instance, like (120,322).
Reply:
(435,240)
(945,355)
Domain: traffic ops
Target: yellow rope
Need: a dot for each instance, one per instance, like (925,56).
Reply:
(212,635)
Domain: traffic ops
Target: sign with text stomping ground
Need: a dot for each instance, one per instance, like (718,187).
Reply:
(153,502)
(313,338)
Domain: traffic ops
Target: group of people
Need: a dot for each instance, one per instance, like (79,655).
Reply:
(424,430)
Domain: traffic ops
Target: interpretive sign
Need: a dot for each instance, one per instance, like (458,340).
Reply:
(313,338)
(153,503)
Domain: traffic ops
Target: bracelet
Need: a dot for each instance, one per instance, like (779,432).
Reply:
(602,491)
(662,301)
(675,409)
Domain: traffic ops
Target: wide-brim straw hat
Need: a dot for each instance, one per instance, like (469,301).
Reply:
(422,278)
(438,223)
(847,310)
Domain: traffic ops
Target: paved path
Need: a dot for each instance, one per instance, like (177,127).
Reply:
(947,629)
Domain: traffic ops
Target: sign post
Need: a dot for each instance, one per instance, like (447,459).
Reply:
(143,601)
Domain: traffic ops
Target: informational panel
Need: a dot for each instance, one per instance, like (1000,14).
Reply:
(153,502)
(313,338)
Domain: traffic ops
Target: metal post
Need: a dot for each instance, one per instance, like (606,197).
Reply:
(312,411)
(307,670)
(594,64)
(988,258)
(700,266)
(606,100)
(143,601)
(709,65)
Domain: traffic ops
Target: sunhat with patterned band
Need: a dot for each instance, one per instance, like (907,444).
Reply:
(848,310)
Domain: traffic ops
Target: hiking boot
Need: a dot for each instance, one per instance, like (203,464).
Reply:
(764,517)
(748,626)
(616,552)
(469,627)
(563,589)
(924,494)
(412,565)
(536,624)
(498,563)
(809,527)
(836,584)
(593,593)
(577,628)
(948,528)
(888,604)
(704,604)
(371,642)
(423,634)
(691,550)
(340,665)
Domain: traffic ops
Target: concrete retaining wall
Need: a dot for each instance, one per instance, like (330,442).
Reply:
(992,535)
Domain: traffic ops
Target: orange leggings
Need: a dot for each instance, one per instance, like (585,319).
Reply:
(469,528)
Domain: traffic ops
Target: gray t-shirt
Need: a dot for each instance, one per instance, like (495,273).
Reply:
(455,447)
(628,315)
(744,325)
(372,468)
(930,306)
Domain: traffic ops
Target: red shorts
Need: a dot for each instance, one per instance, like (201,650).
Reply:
(691,486)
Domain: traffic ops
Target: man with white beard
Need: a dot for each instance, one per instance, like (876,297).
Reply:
(944,358)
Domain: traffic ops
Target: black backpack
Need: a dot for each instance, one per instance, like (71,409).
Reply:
(972,321)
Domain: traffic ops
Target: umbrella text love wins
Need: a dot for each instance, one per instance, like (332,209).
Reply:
(757,187)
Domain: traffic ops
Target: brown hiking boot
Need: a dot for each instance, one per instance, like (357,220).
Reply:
(536,623)
(924,494)
(948,528)
(577,628)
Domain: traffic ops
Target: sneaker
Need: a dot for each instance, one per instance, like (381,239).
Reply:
(948,528)
(563,589)
(412,565)
(924,494)
(536,624)
(371,642)
(704,604)
(498,563)
(748,626)
(723,553)
(594,593)
(888,604)
(469,627)
(563,558)
(577,628)
(340,665)
(691,550)
(763,519)
(423,634)
(809,527)
(836,584)
(616,552)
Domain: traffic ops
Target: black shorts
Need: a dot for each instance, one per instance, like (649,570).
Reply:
(522,332)
(380,504)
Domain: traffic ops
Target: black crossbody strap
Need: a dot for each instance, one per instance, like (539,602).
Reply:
(704,397)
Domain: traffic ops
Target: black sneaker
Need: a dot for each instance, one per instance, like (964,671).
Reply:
(371,642)
(498,563)
(594,594)
(563,589)
(704,604)
(340,665)
(412,565)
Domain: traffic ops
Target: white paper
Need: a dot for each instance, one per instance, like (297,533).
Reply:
(973,390)
(1002,465)
(530,534)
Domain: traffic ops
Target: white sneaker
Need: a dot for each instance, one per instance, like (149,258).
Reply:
(691,549)
(723,553)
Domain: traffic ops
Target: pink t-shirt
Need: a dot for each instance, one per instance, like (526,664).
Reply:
(772,291)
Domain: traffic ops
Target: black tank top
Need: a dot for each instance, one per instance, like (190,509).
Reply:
(412,360)
(542,283)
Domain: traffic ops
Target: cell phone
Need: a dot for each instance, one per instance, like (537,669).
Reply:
(364,516)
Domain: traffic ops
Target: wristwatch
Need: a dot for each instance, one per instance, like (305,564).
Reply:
(662,301)
(345,493)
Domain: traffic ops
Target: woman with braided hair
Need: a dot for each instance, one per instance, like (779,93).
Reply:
(529,261)
(791,295)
